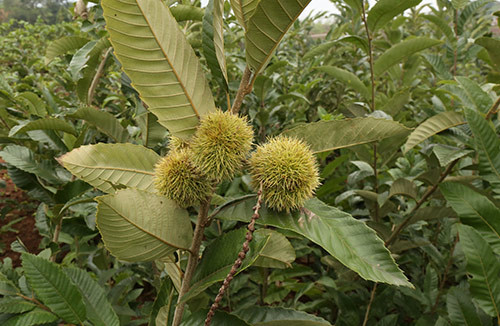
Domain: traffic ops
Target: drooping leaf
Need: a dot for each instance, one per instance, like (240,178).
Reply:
(277,253)
(473,208)
(432,126)
(277,316)
(385,10)
(24,159)
(105,122)
(488,146)
(478,97)
(34,103)
(396,103)
(80,59)
(63,46)
(404,187)
(220,255)
(483,267)
(99,310)
(328,135)
(468,12)
(106,166)
(443,26)
(213,41)
(401,51)
(461,310)
(447,154)
(141,226)
(491,45)
(347,239)
(34,317)
(186,12)
(54,288)
(437,63)
(16,306)
(267,26)
(44,124)
(163,67)
(348,79)
(243,10)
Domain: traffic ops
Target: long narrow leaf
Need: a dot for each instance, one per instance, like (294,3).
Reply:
(160,62)
(329,135)
(266,28)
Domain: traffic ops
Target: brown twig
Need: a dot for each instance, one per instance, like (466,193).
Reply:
(239,260)
(192,261)
(422,200)
(372,297)
(97,76)
(494,109)
(35,301)
(244,89)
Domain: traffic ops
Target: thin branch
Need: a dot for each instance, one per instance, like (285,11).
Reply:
(494,109)
(239,260)
(244,89)
(372,297)
(35,301)
(370,50)
(192,261)
(97,76)
(422,200)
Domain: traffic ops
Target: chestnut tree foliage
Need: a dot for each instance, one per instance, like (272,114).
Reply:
(230,164)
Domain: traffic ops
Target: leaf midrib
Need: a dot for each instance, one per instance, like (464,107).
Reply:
(174,71)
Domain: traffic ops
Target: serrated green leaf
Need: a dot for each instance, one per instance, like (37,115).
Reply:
(404,187)
(15,306)
(131,235)
(349,240)
(324,136)
(493,47)
(32,318)
(385,10)
(277,253)
(7,287)
(433,126)
(473,208)
(324,47)
(213,41)
(24,159)
(34,103)
(487,145)
(107,166)
(266,27)
(277,316)
(54,288)
(164,305)
(163,67)
(220,255)
(348,79)
(443,26)
(447,154)
(104,121)
(460,308)
(401,51)
(484,268)
(243,10)
(43,124)
(99,310)
(437,63)
(459,4)
(468,12)
(80,59)
(481,100)
(63,46)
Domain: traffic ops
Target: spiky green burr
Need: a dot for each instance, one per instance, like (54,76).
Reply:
(220,145)
(288,171)
(177,178)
